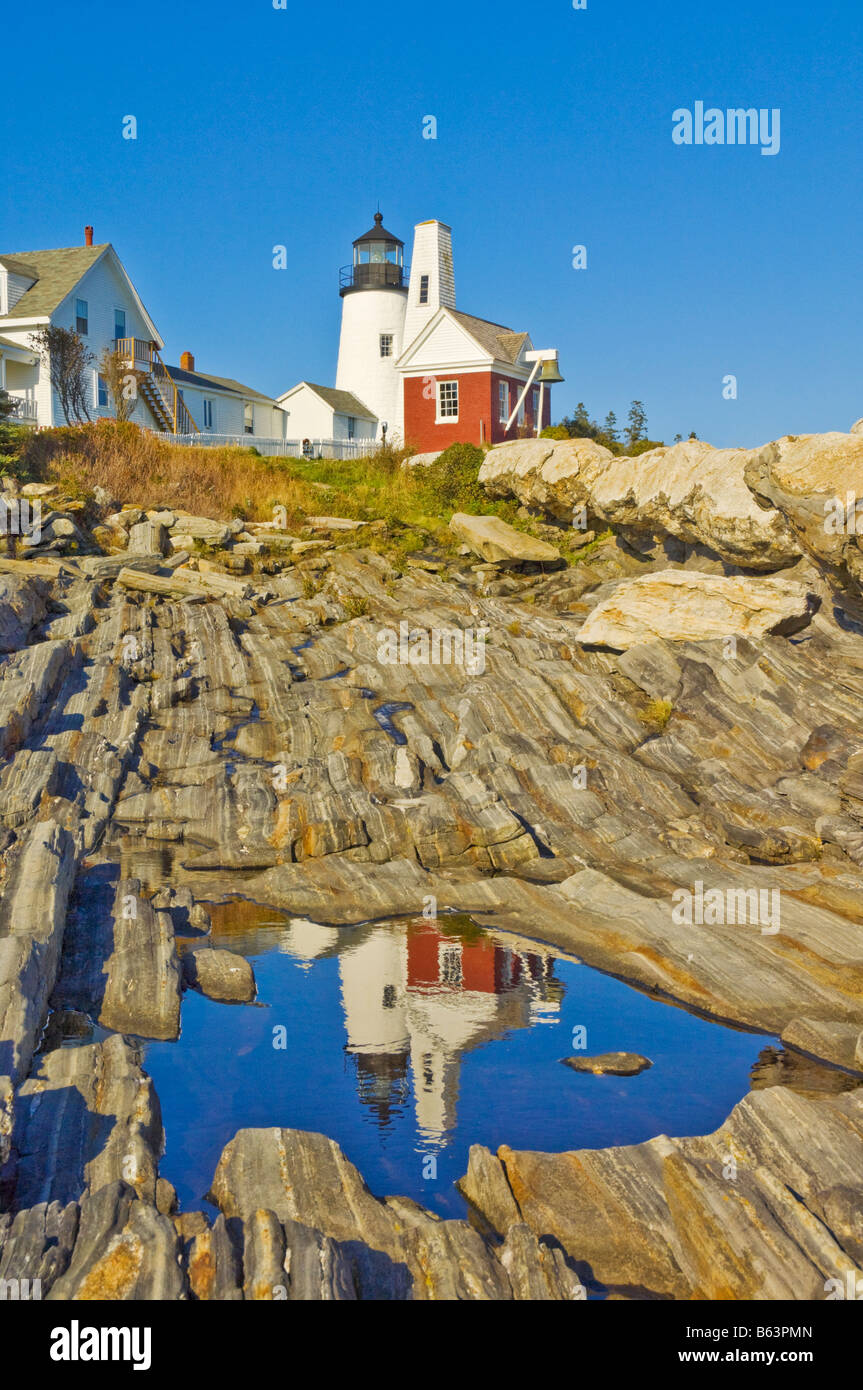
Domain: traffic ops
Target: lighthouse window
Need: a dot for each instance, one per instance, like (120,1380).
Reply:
(392,252)
(424,289)
(447,400)
(386,345)
(503,399)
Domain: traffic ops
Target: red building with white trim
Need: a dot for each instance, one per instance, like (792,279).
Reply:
(423,372)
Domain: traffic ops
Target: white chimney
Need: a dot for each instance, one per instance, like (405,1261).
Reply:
(432,282)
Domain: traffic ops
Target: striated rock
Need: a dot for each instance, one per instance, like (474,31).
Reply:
(96,1113)
(149,538)
(32,916)
(142,993)
(22,606)
(393,1249)
(741,1214)
(682,607)
(125,1250)
(494,540)
(219,974)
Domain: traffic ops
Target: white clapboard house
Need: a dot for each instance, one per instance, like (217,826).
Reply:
(87,288)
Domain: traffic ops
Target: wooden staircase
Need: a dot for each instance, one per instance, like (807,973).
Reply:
(157,387)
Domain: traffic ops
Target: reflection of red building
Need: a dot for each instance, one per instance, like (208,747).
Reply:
(416,994)
(437,960)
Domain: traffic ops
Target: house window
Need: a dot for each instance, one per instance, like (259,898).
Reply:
(119,323)
(101,391)
(535,399)
(450,965)
(503,400)
(248,418)
(447,400)
(521,414)
(424,289)
(208,415)
(386,345)
(352,427)
(82,317)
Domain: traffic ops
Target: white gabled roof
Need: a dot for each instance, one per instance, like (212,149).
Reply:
(484,343)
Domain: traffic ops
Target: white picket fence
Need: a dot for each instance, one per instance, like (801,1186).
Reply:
(280,448)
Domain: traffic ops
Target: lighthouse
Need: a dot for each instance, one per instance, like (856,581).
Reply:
(374,297)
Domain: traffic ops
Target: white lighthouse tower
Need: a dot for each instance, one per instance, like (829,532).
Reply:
(374,298)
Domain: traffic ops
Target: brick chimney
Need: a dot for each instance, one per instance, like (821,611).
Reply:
(187,362)
(88,236)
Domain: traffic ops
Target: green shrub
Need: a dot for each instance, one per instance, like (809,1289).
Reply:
(452,480)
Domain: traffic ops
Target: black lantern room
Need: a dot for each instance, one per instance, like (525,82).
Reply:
(378,262)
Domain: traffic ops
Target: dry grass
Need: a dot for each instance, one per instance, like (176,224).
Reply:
(138,469)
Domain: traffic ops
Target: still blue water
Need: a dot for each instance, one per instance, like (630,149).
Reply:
(408,1041)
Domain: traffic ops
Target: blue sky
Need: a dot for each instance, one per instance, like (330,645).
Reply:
(259,127)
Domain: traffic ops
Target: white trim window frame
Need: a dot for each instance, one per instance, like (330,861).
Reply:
(447,403)
(386,344)
(207,414)
(503,402)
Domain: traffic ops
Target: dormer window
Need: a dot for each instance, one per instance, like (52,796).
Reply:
(82,318)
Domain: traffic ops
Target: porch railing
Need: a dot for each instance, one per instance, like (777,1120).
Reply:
(24,410)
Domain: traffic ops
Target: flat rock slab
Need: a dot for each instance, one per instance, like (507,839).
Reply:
(494,540)
(610,1063)
(142,995)
(681,606)
(221,975)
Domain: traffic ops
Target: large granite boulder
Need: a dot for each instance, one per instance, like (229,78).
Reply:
(689,491)
(816,481)
(684,606)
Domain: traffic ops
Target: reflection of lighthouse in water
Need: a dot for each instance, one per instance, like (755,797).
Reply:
(418,994)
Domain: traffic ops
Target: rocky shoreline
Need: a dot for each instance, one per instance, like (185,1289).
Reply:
(671,720)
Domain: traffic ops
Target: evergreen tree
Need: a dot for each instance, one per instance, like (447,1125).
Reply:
(610,429)
(636,423)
